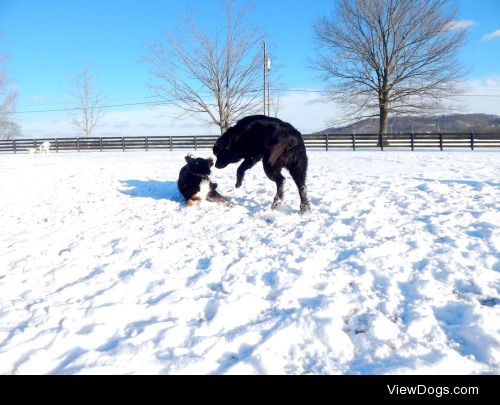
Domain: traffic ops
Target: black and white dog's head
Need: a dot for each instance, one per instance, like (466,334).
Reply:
(199,166)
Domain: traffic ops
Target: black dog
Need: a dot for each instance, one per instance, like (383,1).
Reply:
(194,183)
(277,143)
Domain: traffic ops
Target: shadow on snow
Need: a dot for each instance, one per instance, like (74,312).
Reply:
(157,190)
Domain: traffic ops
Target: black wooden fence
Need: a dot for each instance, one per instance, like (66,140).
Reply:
(315,142)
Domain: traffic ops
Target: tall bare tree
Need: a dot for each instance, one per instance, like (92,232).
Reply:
(89,101)
(390,56)
(215,74)
(8,97)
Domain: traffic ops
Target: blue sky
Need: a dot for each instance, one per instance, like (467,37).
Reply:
(47,40)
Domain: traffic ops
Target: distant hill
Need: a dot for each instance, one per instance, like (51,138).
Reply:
(424,124)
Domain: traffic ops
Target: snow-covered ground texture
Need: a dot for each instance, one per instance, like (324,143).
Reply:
(396,270)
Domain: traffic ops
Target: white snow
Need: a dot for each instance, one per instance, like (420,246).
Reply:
(396,270)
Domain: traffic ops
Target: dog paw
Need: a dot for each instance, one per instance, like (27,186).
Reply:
(305,208)
(276,204)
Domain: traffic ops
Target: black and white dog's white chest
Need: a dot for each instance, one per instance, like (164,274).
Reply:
(205,189)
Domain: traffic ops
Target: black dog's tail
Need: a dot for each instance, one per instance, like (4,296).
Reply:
(285,153)
(297,157)
(279,150)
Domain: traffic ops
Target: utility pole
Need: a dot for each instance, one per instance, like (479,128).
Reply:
(267,82)
(268,66)
(265,73)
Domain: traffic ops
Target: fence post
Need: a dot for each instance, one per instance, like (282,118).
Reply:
(147,144)
(353,142)
(440,141)
(195,142)
(472,141)
(56,140)
(412,142)
(100,143)
(123,144)
(381,140)
(327,136)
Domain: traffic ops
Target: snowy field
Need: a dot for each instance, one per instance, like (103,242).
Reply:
(396,270)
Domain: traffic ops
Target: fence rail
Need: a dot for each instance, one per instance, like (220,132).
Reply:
(314,142)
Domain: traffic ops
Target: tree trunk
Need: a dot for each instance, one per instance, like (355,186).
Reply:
(383,121)
(223,128)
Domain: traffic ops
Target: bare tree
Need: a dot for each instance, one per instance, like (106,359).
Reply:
(8,97)
(89,101)
(215,74)
(9,130)
(390,56)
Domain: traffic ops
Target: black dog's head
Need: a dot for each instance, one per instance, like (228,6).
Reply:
(199,165)
(224,149)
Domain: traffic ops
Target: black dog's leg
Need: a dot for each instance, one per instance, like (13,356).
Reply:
(298,172)
(274,173)
(240,173)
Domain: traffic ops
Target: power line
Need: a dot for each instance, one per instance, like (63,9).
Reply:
(477,95)
(64,103)
(104,106)
(160,102)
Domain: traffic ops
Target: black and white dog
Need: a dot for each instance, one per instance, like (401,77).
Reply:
(194,183)
(278,144)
